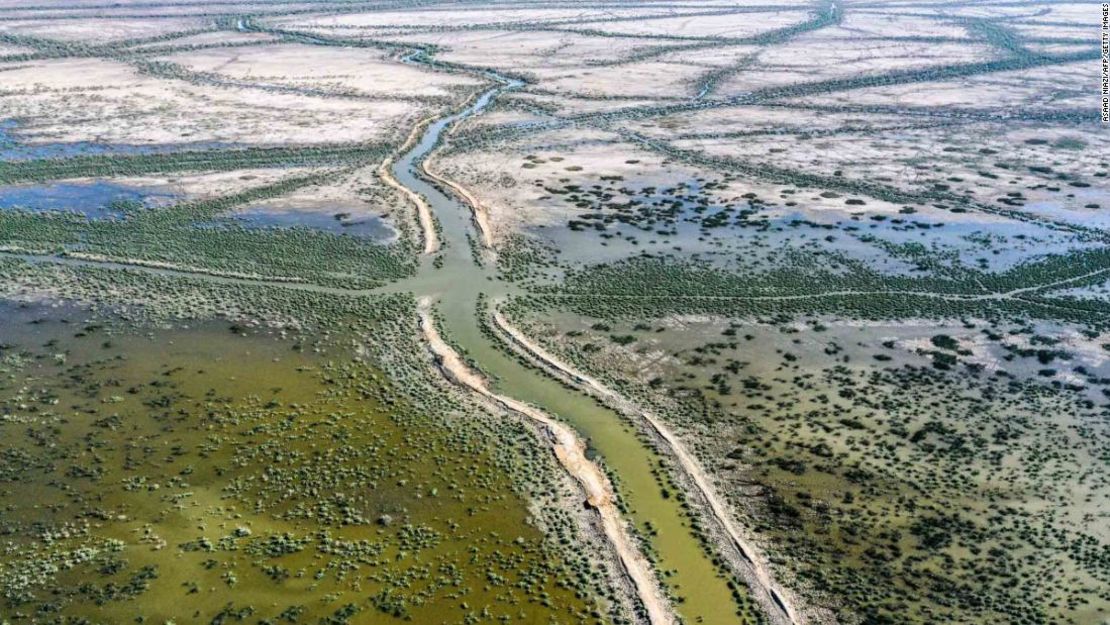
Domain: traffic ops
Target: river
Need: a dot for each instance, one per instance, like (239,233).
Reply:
(455,284)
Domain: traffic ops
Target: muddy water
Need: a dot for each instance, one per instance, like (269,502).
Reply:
(96,199)
(153,506)
(686,569)
(199,475)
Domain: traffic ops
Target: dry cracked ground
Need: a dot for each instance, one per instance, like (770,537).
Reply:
(743,312)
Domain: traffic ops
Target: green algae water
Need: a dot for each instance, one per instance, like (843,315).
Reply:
(703,595)
(216,475)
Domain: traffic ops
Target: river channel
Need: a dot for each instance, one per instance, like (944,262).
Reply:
(455,284)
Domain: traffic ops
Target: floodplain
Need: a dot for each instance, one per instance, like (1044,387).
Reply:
(654,313)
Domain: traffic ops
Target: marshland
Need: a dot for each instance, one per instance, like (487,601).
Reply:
(566,312)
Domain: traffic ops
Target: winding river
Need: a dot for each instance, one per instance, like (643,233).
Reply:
(454,285)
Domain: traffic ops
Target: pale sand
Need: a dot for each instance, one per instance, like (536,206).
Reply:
(481,215)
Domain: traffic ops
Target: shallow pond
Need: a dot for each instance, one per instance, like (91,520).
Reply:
(96,200)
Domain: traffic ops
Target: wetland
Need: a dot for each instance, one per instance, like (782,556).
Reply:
(612,313)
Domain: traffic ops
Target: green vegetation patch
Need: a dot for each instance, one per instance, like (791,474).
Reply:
(104,165)
(654,287)
(221,473)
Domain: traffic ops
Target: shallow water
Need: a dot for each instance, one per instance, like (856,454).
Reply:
(13,149)
(96,200)
(684,221)
(1089,217)
(711,361)
(336,219)
(236,470)
(675,219)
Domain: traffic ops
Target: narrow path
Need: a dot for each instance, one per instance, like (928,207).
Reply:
(480,214)
(759,567)
(571,452)
(423,211)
